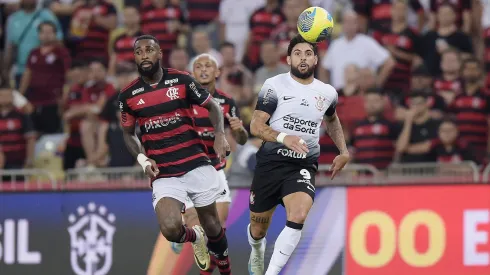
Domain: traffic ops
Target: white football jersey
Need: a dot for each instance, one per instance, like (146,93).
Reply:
(295,109)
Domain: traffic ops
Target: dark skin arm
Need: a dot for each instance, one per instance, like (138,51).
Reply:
(134,146)
(221,146)
(239,133)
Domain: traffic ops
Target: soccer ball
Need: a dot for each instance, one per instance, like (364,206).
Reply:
(315,24)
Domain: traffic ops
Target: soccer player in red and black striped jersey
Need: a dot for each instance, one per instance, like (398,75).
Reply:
(374,137)
(121,50)
(403,44)
(172,153)
(472,107)
(205,70)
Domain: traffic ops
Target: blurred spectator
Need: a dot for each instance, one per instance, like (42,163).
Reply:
(179,59)
(419,129)
(448,85)
(44,78)
(2,158)
(17,135)
(201,45)
(95,95)
(64,9)
(269,54)
(262,23)
(462,16)
(165,21)
(374,137)
(202,12)
(404,46)
(73,114)
(354,48)
(421,78)
(90,26)
(483,29)
(328,149)
(283,33)
(352,79)
(444,37)
(235,79)
(22,36)
(121,51)
(437,105)
(472,107)
(234,17)
(449,148)
(376,14)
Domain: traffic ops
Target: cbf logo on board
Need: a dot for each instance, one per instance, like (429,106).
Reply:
(91,237)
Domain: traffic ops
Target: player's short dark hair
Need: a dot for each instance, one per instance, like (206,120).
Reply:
(226,44)
(418,93)
(47,23)
(298,39)
(146,37)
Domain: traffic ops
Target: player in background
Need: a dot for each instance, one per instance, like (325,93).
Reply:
(172,154)
(289,112)
(206,71)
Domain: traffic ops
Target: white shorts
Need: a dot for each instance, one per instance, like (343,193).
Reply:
(224,194)
(201,185)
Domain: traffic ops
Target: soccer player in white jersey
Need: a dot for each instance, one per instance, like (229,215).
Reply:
(290,109)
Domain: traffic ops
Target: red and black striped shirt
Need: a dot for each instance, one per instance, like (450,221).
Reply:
(155,21)
(165,116)
(202,12)
(447,88)
(486,37)
(75,98)
(459,5)
(407,42)
(96,41)
(472,113)
(123,47)
(261,24)
(457,153)
(14,128)
(379,13)
(373,142)
(205,128)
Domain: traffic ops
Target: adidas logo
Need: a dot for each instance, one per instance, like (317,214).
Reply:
(141,102)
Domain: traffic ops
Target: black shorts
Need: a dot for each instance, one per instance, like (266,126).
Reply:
(273,181)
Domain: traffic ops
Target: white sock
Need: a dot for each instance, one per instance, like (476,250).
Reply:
(255,244)
(285,244)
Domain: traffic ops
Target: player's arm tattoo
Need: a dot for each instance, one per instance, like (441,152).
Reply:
(216,116)
(259,127)
(132,142)
(334,130)
(259,219)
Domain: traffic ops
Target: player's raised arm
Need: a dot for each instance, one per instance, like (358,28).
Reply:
(266,105)
(236,125)
(198,95)
(336,133)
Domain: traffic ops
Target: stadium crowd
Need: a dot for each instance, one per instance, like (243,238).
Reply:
(412,75)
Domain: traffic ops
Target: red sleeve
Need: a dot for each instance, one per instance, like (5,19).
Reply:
(128,120)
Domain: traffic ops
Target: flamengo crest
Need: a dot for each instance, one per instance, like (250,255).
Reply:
(91,236)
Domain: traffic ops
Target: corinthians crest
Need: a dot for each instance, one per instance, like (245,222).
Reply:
(91,233)
(320,103)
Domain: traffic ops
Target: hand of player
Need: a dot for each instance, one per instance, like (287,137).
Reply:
(296,144)
(338,163)
(235,122)
(221,146)
(152,170)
